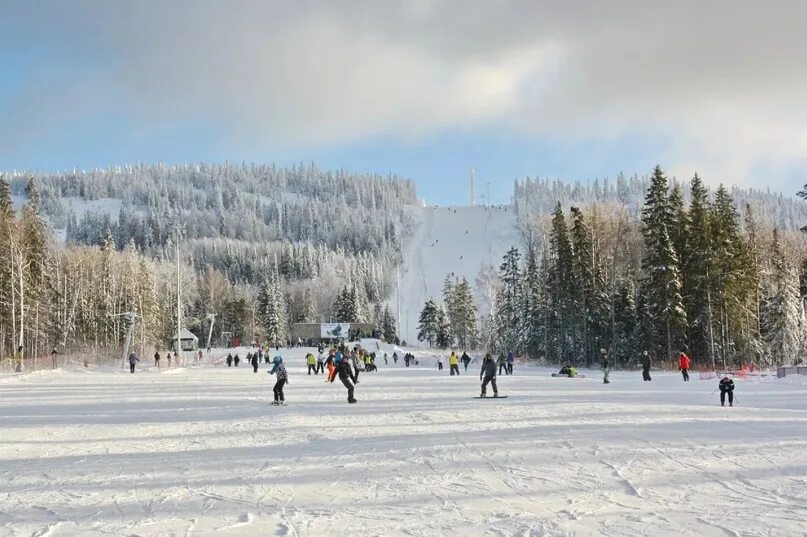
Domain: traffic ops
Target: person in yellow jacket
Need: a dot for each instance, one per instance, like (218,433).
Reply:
(311,360)
(454,362)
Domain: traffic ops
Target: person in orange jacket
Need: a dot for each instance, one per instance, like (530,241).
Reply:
(683,364)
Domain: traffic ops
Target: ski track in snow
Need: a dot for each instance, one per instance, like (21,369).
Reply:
(200,452)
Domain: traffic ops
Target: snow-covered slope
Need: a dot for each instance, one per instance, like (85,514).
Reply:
(458,240)
(198,451)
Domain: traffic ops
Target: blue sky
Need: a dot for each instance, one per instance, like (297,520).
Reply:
(425,89)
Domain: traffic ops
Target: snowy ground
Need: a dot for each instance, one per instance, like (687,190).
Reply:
(197,451)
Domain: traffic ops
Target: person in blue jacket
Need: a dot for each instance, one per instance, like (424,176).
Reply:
(282,379)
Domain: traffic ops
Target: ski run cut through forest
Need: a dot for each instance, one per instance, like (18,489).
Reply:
(198,450)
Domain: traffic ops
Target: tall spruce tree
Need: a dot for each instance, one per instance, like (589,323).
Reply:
(785,310)
(661,282)
(560,289)
(696,261)
(428,322)
(507,313)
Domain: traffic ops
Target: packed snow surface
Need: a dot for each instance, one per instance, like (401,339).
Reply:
(450,241)
(200,452)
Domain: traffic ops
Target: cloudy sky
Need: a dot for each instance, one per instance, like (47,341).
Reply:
(422,88)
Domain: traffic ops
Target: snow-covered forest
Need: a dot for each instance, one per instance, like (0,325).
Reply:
(258,247)
(630,265)
(685,269)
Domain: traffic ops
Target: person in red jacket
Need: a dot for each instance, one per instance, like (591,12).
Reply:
(683,364)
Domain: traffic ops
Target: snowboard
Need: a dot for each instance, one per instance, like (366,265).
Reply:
(558,375)
(491,397)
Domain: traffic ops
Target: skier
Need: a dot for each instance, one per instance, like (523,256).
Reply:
(605,366)
(683,364)
(133,359)
(254,362)
(229,359)
(465,359)
(157,359)
(440,363)
(488,375)
(282,379)
(726,385)
(311,361)
(454,363)
(510,360)
(345,372)
(320,362)
(502,362)
(646,366)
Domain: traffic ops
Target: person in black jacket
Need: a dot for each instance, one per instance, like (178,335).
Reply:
(229,360)
(646,367)
(465,359)
(726,386)
(345,371)
(255,362)
(488,375)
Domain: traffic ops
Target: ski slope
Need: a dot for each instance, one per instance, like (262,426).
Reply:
(197,451)
(458,240)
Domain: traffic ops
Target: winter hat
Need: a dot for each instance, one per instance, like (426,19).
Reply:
(278,359)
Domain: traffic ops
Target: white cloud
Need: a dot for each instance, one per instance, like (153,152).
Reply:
(722,80)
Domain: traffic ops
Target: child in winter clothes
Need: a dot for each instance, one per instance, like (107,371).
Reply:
(282,378)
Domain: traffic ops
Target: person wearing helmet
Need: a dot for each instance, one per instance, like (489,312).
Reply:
(345,370)
(726,386)
(646,367)
(282,379)
(605,365)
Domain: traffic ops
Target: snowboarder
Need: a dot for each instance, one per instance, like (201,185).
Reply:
(282,379)
(454,362)
(465,359)
(254,362)
(605,366)
(510,360)
(229,359)
(320,362)
(133,359)
(236,360)
(157,359)
(311,362)
(502,361)
(568,371)
(646,367)
(488,375)
(683,364)
(345,372)
(726,386)
(440,363)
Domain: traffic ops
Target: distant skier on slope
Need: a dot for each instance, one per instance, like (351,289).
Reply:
(646,366)
(683,364)
(605,365)
(465,359)
(488,375)
(133,359)
(282,379)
